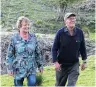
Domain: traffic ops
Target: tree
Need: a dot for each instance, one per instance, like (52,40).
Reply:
(62,6)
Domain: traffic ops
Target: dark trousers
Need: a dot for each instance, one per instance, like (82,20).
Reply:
(31,81)
(69,74)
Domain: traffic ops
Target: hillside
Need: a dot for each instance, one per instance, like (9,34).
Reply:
(44,14)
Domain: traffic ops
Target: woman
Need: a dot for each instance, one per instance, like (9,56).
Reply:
(23,56)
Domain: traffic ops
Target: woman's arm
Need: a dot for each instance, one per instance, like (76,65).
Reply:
(39,57)
(10,56)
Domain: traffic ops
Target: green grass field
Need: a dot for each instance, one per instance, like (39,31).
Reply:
(86,78)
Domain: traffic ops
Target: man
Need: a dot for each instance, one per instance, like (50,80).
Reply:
(68,44)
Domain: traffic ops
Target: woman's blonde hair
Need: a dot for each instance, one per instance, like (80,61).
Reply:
(19,21)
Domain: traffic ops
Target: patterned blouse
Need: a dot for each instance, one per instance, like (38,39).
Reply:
(23,56)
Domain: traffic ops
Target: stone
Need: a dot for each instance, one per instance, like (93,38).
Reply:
(45,43)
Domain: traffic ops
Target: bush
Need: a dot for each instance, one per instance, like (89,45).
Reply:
(39,79)
(91,26)
(86,31)
(39,22)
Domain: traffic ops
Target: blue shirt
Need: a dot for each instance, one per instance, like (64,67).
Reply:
(23,56)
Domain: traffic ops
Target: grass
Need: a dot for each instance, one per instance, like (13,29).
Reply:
(92,36)
(86,78)
(34,10)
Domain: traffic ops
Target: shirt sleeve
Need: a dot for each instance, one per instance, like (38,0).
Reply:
(38,57)
(83,48)
(10,55)
(55,47)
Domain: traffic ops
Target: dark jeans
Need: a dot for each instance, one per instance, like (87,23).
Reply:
(69,74)
(31,81)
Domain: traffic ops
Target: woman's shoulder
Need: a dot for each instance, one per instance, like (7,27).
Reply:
(15,36)
(32,35)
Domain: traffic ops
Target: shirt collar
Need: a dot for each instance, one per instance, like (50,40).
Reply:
(20,38)
(66,31)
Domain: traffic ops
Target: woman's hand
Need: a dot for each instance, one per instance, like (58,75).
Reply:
(10,73)
(41,71)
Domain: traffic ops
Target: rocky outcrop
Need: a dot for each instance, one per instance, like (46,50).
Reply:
(45,43)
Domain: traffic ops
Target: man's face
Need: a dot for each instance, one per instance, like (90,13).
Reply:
(70,22)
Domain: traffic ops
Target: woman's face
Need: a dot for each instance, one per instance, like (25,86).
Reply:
(24,27)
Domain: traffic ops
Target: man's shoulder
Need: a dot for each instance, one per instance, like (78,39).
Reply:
(79,30)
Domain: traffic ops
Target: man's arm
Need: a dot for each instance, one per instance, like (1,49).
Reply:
(83,53)
(83,48)
(55,47)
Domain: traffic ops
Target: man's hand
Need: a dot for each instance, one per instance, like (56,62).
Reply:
(57,66)
(83,66)
(10,73)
